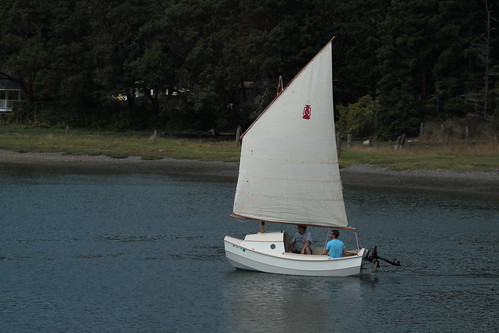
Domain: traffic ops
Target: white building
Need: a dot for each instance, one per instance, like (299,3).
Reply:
(10,93)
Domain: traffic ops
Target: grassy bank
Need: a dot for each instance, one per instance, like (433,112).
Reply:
(115,144)
(476,156)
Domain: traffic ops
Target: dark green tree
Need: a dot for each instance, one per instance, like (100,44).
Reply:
(457,73)
(358,37)
(204,64)
(116,43)
(405,62)
(24,34)
(66,88)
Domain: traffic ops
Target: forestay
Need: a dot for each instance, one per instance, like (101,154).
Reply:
(289,167)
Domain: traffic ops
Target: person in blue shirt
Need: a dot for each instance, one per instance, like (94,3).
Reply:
(336,248)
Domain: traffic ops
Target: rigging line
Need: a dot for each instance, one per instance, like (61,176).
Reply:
(328,232)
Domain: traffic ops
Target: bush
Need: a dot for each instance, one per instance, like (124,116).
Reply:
(358,118)
(20,114)
(60,116)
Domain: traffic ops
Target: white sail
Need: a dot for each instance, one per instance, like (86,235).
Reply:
(289,167)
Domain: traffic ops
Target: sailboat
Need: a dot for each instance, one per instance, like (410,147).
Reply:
(289,174)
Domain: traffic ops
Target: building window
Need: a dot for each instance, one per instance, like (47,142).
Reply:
(8,98)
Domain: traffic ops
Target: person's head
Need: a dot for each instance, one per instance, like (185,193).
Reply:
(302,229)
(335,234)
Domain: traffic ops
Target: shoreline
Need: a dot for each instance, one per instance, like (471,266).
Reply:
(357,175)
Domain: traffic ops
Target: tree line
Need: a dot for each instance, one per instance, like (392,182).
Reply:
(201,64)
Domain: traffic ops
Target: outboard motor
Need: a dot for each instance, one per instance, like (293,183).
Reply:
(371,255)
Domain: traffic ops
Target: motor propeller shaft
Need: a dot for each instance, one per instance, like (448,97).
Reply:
(394,262)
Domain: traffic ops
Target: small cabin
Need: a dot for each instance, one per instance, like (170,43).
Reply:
(10,93)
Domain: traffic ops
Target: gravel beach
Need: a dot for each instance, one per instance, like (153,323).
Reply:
(357,175)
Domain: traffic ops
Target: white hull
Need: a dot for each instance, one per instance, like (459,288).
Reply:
(265,253)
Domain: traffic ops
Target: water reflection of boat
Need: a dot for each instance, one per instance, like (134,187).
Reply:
(278,303)
(289,174)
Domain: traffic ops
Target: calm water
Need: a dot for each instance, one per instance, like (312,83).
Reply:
(144,253)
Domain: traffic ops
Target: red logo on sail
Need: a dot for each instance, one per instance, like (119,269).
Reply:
(307,111)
